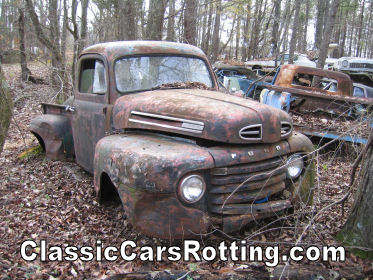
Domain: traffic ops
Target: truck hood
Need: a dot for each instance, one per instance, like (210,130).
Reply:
(204,114)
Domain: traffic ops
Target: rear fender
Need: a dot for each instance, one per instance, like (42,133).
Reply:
(55,135)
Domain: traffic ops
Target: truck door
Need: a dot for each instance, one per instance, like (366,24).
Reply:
(91,97)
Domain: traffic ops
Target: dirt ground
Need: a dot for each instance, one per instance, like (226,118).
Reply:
(55,201)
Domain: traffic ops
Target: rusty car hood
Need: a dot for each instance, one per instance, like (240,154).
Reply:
(203,114)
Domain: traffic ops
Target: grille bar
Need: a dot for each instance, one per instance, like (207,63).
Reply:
(248,186)
(259,180)
(250,208)
(249,196)
(247,168)
(239,178)
(361,65)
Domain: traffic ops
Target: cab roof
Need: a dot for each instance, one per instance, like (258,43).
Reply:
(113,50)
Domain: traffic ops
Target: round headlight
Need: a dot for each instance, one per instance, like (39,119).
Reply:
(295,166)
(345,63)
(192,188)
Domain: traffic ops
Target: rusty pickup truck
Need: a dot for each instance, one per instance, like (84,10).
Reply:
(329,108)
(147,120)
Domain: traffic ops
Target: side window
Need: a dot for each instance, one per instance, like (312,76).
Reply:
(359,92)
(92,77)
(369,92)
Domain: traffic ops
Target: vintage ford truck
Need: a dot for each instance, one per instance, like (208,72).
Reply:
(148,121)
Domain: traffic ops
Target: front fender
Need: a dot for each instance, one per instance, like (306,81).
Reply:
(302,189)
(147,162)
(146,170)
(55,135)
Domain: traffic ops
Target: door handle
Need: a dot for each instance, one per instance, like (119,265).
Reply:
(69,108)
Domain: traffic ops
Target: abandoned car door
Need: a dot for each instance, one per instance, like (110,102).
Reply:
(91,101)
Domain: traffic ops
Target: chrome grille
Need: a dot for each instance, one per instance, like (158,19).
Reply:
(251,132)
(361,65)
(260,180)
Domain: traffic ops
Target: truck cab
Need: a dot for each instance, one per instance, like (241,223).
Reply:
(147,120)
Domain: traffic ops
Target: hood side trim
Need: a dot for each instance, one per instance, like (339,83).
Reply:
(186,125)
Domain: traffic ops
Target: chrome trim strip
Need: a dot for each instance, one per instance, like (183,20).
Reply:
(291,129)
(192,126)
(166,126)
(241,132)
(166,118)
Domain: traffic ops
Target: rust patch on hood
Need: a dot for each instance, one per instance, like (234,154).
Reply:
(205,114)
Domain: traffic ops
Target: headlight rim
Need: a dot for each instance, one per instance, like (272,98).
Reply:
(345,63)
(180,188)
(299,156)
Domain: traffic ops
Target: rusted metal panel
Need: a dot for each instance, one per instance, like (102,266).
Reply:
(114,50)
(162,215)
(151,163)
(265,210)
(286,76)
(222,116)
(147,169)
(233,155)
(56,135)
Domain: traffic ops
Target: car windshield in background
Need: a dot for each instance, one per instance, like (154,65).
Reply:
(146,72)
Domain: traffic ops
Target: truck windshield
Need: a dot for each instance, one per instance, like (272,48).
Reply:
(146,72)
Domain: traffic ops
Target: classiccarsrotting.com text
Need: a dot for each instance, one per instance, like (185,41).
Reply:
(190,250)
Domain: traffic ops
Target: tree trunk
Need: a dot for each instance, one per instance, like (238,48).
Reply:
(171,22)
(328,30)
(255,30)
(51,43)
(284,27)
(304,39)
(6,106)
(358,45)
(74,32)
(205,42)
(64,32)
(294,35)
(25,72)
(358,229)
(215,36)
(238,38)
(83,26)
(190,18)
(154,27)
(127,23)
(245,44)
(319,23)
(275,27)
